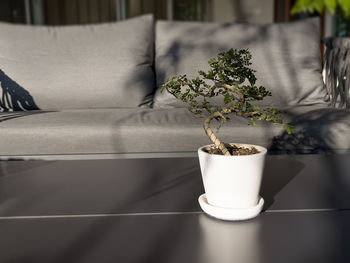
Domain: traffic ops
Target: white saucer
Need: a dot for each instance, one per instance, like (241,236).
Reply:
(230,214)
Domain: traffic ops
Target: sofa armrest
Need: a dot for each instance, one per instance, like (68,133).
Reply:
(336,71)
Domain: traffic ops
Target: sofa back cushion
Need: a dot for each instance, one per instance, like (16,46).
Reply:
(82,66)
(286,57)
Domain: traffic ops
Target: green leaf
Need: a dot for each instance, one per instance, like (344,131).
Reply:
(252,121)
(331,5)
(345,6)
(212,61)
(319,5)
(300,6)
(289,128)
(311,6)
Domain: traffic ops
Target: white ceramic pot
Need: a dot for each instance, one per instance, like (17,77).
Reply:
(232,182)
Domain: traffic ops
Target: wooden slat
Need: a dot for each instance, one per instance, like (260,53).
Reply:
(277,11)
(52,12)
(61,12)
(94,11)
(288,9)
(135,7)
(323,34)
(160,9)
(83,12)
(112,10)
(149,7)
(20,16)
(71,11)
(5,11)
(104,10)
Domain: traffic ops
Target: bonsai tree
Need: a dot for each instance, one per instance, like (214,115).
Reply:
(231,78)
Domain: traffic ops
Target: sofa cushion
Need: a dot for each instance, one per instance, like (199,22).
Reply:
(70,67)
(162,130)
(285,55)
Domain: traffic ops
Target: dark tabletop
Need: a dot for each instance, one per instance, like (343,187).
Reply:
(146,210)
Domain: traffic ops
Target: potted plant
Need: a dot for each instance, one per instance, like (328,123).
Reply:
(231,173)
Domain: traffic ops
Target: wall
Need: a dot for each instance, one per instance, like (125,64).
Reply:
(12,11)
(61,12)
(156,7)
(253,11)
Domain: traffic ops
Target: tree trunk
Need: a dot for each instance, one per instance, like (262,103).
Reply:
(211,134)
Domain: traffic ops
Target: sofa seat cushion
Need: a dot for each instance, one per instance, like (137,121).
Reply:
(286,56)
(162,130)
(81,66)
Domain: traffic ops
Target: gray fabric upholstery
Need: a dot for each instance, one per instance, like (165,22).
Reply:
(70,67)
(162,130)
(286,56)
(83,85)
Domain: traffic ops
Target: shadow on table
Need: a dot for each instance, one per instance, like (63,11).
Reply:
(159,189)
(338,193)
(277,174)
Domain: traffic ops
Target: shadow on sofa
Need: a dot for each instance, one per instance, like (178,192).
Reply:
(14,97)
(13,115)
(317,130)
(174,56)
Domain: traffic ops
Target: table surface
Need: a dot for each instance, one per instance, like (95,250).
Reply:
(146,210)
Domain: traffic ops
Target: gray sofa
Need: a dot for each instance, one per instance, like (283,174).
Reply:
(94,89)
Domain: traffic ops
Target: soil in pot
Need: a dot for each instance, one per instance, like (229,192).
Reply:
(233,149)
